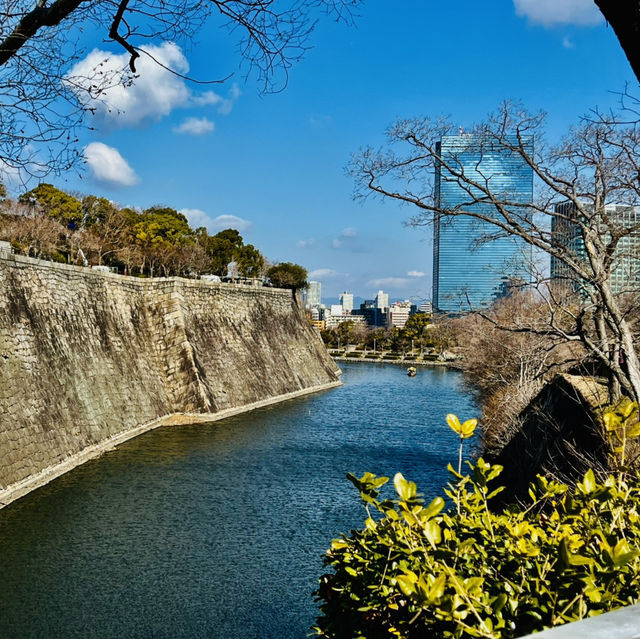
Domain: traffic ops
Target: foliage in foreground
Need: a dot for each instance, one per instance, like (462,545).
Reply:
(419,570)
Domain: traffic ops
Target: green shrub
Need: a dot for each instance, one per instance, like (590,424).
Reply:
(426,571)
(354,354)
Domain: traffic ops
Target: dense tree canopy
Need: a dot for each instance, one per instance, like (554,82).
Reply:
(46,222)
(249,261)
(418,333)
(288,275)
(55,203)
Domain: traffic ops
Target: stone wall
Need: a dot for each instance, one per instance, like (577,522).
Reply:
(88,359)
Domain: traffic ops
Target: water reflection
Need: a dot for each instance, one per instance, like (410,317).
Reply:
(217,530)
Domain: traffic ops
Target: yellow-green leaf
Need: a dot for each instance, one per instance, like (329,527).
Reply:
(433,533)
(406,489)
(468,428)
(623,554)
(569,559)
(589,482)
(611,420)
(433,508)
(436,591)
(454,423)
(406,584)
(627,407)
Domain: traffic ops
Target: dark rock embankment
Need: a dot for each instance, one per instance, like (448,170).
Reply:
(559,434)
(88,359)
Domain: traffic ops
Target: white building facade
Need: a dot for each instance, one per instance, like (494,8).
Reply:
(382,300)
(399,314)
(314,294)
(346,300)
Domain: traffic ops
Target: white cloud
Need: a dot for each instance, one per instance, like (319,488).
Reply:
(552,12)
(225,107)
(415,274)
(231,222)
(567,43)
(198,217)
(151,95)
(346,234)
(108,166)
(207,98)
(389,282)
(306,243)
(323,273)
(211,98)
(195,126)
(10,175)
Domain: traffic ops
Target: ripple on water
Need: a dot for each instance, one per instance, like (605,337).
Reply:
(218,530)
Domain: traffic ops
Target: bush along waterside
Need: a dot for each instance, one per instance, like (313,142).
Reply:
(419,570)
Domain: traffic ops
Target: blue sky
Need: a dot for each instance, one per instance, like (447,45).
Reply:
(273,165)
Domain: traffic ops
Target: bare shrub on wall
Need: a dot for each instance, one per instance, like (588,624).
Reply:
(508,355)
(33,233)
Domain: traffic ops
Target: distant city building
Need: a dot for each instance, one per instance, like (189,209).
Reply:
(314,293)
(373,315)
(467,271)
(336,309)
(382,300)
(425,307)
(332,320)
(625,275)
(319,324)
(346,299)
(399,314)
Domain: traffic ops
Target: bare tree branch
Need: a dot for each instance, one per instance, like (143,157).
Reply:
(576,181)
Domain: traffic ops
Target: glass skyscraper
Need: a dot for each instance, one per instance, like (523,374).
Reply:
(314,293)
(473,264)
(625,271)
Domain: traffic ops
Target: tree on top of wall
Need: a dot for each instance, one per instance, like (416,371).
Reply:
(288,275)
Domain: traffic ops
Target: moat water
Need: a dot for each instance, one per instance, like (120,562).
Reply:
(218,531)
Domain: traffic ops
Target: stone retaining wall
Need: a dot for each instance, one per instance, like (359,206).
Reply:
(86,357)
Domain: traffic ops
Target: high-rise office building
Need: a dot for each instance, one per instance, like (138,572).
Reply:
(625,273)
(314,294)
(472,266)
(382,300)
(346,299)
(399,313)
(374,316)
